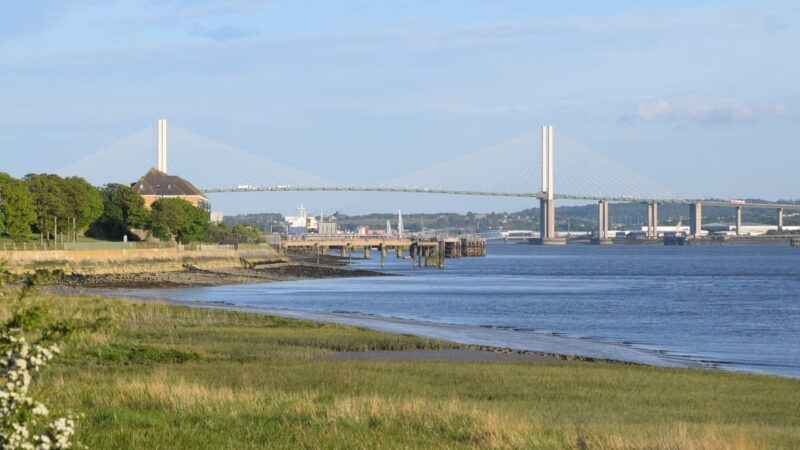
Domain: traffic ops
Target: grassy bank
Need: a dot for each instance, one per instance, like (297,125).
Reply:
(170,377)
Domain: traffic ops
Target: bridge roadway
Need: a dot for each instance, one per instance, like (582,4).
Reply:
(547,222)
(537,195)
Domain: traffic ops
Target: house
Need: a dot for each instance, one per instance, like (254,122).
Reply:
(156,184)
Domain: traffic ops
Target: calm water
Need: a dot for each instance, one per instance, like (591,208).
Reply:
(737,307)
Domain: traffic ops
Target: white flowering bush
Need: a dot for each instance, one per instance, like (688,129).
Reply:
(24,422)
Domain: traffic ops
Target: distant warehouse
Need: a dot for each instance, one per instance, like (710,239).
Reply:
(156,184)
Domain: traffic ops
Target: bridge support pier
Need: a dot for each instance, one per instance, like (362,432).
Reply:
(780,219)
(602,237)
(738,220)
(696,219)
(652,220)
(366,252)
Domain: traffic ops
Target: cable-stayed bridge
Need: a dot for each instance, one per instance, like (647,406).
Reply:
(526,166)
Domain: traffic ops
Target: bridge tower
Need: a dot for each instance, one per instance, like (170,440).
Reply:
(547,203)
(161,145)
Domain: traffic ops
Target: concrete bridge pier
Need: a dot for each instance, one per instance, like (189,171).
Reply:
(343,250)
(652,220)
(695,219)
(780,219)
(602,237)
(738,220)
(399,249)
(366,252)
(543,218)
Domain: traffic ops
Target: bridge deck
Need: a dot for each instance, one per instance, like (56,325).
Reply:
(501,194)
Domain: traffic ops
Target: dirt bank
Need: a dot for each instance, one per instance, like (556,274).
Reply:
(192,276)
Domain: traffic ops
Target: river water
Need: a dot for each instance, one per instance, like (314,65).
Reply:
(731,307)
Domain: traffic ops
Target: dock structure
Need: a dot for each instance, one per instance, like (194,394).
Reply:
(423,252)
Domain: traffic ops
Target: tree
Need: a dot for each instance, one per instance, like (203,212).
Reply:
(49,200)
(85,204)
(174,218)
(240,233)
(243,233)
(63,200)
(123,209)
(16,208)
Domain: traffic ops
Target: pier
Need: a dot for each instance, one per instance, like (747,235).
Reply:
(423,252)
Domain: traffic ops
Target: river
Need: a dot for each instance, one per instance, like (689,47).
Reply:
(729,307)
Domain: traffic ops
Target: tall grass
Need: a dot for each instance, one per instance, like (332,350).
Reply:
(170,377)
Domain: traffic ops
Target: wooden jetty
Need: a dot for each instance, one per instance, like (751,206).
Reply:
(423,252)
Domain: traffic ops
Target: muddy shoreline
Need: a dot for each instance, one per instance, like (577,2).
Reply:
(196,277)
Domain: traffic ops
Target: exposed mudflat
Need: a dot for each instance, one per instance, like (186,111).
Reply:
(465,355)
(193,277)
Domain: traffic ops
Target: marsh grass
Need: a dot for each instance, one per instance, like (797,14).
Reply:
(159,376)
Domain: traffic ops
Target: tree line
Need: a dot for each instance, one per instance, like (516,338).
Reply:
(64,208)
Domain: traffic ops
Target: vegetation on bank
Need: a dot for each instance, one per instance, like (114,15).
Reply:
(160,376)
(64,209)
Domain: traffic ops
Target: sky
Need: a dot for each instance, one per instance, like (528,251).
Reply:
(701,97)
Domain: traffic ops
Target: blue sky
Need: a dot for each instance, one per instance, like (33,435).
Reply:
(699,96)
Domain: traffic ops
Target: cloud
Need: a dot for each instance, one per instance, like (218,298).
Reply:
(659,109)
(720,114)
(725,114)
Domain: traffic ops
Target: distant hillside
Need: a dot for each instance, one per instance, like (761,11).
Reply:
(575,218)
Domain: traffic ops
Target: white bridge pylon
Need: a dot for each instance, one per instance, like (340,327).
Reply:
(514,168)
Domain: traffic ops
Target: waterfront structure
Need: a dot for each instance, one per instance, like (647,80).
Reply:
(400,230)
(156,184)
(302,223)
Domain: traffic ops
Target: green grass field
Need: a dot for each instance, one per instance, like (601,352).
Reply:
(171,377)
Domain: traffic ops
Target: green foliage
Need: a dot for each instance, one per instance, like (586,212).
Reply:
(265,222)
(17,212)
(28,341)
(174,218)
(63,200)
(239,233)
(85,203)
(123,209)
(49,200)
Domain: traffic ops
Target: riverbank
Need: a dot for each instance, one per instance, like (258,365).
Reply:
(166,376)
(494,339)
(190,276)
(170,267)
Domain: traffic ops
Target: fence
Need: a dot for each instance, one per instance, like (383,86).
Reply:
(83,246)
(205,247)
